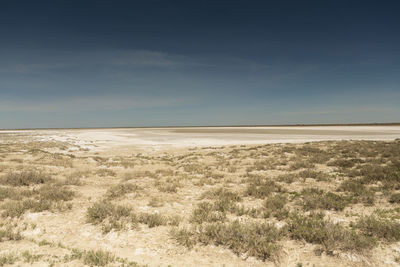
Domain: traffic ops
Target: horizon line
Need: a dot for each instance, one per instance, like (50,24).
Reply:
(210,126)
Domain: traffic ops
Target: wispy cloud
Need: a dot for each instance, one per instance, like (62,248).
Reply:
(92,103)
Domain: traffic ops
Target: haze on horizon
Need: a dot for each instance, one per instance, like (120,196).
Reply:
(153,63)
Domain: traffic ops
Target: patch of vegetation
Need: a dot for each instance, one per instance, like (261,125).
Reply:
(98,257)
(9,233)
(54,193)
(358,191)
(156,202)
(389,174)
(313,198)
(25,178)
(118,217)
(222,194)
(383,228)
(319,176)
(344,163)
(287,178)
(102,210)
(395,198)
(122,189)
(315,229)
(261,187)
(252,239)
(152,219)
(13,193)
(301,164)
(274,206)
(7,259)
(169,186)
(206,212)
(105,172)
(29,257)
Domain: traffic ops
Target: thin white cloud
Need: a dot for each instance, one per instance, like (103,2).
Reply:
(92,103)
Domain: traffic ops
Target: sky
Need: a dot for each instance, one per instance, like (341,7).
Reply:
(179,63)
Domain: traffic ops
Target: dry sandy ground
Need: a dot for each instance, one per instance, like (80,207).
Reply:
(212,136)
(173,168)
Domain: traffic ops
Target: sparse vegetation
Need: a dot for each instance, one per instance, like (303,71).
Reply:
(24,178)
(339,196)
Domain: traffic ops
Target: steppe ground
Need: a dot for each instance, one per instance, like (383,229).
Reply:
(262,196)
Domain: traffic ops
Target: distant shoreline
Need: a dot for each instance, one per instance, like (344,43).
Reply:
(211,126)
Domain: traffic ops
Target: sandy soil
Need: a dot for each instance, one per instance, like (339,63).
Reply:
(192,161)
(212,136)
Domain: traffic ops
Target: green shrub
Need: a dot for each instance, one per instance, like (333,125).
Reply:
(121,189)
(205,212)
(152,219)
(331,236)
(274,206)
(313,198)
(17,208)
(55,193)
(98,258)
(394,198)
(254,239)
(379,227)
(9,233)
(7,259)
(184,237)
(358,191)
(99,211)
(25,178)
(261,187)
(343,163)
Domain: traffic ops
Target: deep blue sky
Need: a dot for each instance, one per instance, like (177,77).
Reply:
(147,63)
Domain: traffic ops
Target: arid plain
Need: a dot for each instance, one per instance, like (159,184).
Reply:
(201,196)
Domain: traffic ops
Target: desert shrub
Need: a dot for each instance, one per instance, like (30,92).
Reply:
(221,194)
(98,258)
(205,212)
(313,198)
(394,198)
(262,165)
(156,202)
(301,164)
(168,186)
(260,187)
(72,180)
(14,193)
(120,190)
(358,190)
(184,237)
(343,163)
(194,168)
(55,193)
(319,176)
(389,174)
(7,259)
(315,229)
(274,206)
(253,239)
(99,211)
(275,202)
(17,208)
(25,178)
(383,228)
(9,233)
(103,172)
(287,178)
(152,219)
(29,257)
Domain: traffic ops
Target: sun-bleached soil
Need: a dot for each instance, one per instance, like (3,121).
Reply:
(217,196)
